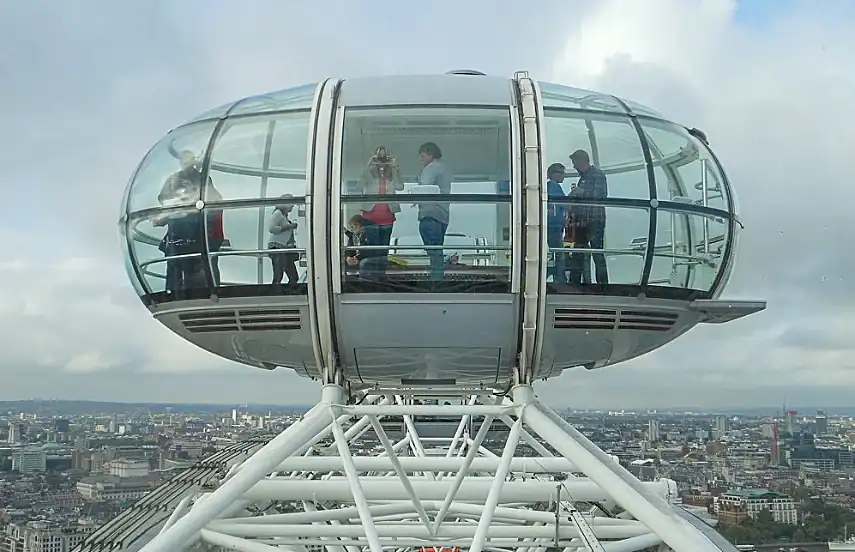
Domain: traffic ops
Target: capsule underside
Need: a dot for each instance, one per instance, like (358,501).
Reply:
(669,235)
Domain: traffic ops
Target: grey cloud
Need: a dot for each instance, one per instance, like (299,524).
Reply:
(100,83)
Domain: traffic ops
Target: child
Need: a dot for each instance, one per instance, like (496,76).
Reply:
(369,262)
(282,237)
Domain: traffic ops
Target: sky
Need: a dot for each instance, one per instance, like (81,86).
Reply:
(89,88)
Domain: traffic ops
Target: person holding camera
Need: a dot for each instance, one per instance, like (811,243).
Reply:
(382,176)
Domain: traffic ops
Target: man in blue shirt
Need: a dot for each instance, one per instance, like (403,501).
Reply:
(591,218)
(434,216)
(556,217)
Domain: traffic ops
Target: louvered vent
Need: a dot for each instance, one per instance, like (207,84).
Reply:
(610,319)
(247,320)
(585,319)
(652,321)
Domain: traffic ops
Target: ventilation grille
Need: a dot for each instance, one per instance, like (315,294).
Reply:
(611,319)
(651,321)
(245,320)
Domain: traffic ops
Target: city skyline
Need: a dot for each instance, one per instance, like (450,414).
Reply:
(71,326)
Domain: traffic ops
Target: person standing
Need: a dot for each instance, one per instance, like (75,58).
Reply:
(382,177)
(434,216)
(592,184)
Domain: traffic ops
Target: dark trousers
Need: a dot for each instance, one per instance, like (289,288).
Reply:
(433,233)
(375,261)
(595,235)
(184,274)
(284,264)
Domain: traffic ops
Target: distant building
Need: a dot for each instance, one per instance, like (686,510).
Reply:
(114,488)
(43,536)
(734,507)
(62,425)
(653,431)
(720,427)
(122,467)
(29,460)
(821,423)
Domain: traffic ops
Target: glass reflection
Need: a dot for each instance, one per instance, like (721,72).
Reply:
(473,255)
(685,170)
(261,157)
(170,175)
(611,142)
(609,259)
(689,250)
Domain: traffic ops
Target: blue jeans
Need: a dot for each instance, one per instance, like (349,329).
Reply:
(433,233)
(374,266)
(555,238)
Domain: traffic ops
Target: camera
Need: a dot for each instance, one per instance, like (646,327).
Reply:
(381,156)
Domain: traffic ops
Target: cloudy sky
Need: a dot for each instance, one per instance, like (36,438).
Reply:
(88,88)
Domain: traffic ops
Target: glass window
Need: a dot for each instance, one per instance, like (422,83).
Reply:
(472,253)
(168,251)
(691,173)
(474,146)
(611,143)
(689,250)
(169,174)
(301,97)
(415,155)
(126,255)
(215,113)
(260,157)
(555,95)
(618,238)
(257,239)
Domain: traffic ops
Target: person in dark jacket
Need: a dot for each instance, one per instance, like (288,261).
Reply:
(591,218)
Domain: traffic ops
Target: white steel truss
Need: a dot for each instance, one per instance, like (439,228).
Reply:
(354,478)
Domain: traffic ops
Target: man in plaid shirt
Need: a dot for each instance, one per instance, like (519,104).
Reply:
(591,218)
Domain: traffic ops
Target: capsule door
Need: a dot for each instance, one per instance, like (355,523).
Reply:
(421,254)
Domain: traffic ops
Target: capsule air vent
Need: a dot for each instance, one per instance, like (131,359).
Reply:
(585,319)
(246,320)
(471,72)
(611,319)
(652,321)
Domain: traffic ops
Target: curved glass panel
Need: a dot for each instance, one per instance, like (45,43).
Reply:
(639,109)
(301,97)
(689,250)
(685,170)
(598,246)
(126,257)
(260,157)
(556,95)
(610,142)
(169,175)
(469,254)
(266,245)
(168,251)
(215,113)
(473,146)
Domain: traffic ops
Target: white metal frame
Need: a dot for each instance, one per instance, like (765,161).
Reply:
(320,299)
(407,497)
